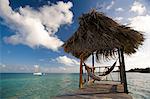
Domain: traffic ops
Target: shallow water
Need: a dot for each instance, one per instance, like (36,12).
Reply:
(27,86)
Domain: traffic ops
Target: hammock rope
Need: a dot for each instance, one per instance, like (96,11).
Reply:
(98,78)
(109,69)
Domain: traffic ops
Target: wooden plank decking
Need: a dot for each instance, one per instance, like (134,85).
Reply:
(101,90)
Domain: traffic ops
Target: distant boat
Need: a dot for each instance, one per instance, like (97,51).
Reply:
(37,74)
(37,71)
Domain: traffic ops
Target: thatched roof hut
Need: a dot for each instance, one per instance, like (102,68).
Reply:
(99,33)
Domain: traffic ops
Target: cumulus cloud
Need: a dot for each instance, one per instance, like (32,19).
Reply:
(62,68)
(119,9)
(138,8)
(110,5)
(44,69)
(2,65)
(118,19)
(141,23)
(36,66)
(67,61)
(141,58)
(15,68)
(36,27)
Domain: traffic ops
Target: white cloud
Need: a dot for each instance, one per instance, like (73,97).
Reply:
(43,69)
(110,5)
(138,60)
(118,19)
(141,58)
(62,68)
(2,65)
(36,66)
(141,23)
(41,60)
(36,27)
(119,9)
(67,61)
(138,8)
(15,68)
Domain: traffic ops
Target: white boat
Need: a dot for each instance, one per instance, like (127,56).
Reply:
(37,71)
(37,74)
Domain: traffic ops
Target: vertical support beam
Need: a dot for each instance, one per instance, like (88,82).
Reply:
(81,72)
(120,66)
(124,72)
(93,62)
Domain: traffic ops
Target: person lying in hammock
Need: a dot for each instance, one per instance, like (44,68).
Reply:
(94,77)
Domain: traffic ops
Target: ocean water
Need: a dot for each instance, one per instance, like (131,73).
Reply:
(27,86)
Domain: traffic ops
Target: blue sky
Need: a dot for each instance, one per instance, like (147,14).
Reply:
(32,31)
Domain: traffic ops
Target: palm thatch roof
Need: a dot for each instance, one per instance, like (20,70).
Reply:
(99,33)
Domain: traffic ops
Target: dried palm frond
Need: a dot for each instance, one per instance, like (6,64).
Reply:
(99,33)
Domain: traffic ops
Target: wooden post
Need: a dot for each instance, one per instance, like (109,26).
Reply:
(120,66)
(81,72)
(93,62)
(124,72)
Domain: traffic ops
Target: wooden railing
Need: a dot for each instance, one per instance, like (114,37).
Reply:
(101,69)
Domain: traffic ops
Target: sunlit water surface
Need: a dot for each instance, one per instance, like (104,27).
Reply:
(27,86)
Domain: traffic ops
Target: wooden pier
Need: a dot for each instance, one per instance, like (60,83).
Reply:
(103,90)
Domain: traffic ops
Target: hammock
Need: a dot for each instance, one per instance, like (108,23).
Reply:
(93,76)
(109,69)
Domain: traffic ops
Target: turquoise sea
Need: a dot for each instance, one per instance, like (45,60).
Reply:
(27,86)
